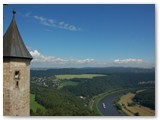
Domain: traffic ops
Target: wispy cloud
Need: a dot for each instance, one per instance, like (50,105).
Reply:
(48,30)
(28,14)
(38,57)
(57,24)
(50,22)
(25,15)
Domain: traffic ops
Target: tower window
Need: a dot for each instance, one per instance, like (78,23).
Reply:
(16,75)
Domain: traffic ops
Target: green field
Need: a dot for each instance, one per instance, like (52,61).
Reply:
(71,76)
(34,105)
(70,83)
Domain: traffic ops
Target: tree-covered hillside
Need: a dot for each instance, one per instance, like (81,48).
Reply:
(146,98)
(111,82)
(58,102)
(75,96)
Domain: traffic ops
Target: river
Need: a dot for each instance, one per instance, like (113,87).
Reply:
(110,110)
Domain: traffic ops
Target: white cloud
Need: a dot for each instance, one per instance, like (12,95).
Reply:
(85,61)
(55,60)
(52,61)
(57,24)
(35,53)
(129,60)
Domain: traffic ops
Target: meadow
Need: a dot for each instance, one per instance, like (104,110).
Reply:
(67,78)
(71,76)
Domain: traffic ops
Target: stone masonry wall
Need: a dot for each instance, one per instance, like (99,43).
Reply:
(16,99)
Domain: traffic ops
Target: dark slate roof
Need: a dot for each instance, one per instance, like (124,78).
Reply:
(13,45)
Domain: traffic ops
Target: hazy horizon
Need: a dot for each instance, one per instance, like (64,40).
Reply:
(89,67)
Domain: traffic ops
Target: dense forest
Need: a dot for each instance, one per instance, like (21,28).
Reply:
(75,99)
(97,85)
(146,98)
(58,103)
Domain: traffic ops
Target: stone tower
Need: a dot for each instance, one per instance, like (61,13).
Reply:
(16,73)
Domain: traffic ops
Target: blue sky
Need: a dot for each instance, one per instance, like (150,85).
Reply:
(86,35)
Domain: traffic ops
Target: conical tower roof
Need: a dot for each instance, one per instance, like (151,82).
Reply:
(13,45)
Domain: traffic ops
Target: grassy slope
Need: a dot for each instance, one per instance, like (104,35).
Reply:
(67,76)
(34,105)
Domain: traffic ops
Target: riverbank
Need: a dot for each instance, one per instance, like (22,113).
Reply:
(99,97)
(96,99)
(129,107)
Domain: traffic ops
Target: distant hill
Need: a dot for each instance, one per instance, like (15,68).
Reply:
(105,70)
